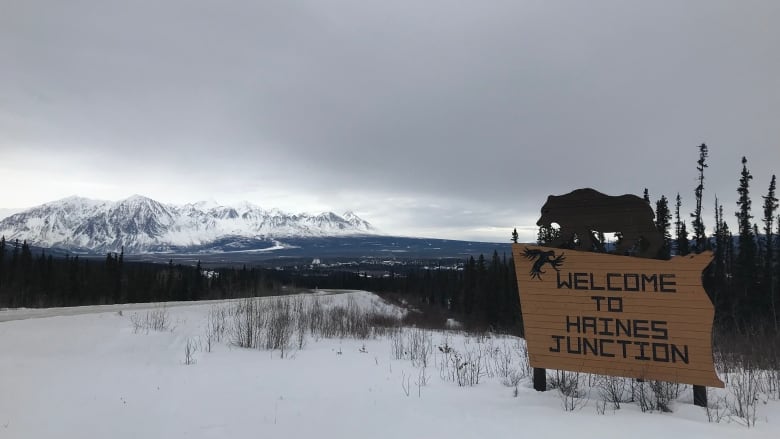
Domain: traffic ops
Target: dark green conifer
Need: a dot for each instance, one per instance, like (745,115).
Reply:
(699,237)
(746,257)
(663,218)
(681,233)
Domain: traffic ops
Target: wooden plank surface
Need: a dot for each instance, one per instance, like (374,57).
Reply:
(617,315)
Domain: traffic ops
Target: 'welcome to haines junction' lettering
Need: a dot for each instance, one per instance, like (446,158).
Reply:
(617,315)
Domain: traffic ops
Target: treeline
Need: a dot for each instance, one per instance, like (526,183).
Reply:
(483,293)
(28,280)
(743,280)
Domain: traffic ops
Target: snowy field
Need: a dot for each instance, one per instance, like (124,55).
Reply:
(177,371)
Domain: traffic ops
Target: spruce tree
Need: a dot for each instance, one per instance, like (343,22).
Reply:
(646,196)
(720,288)
(699,238)
(2,262)
(681,234)
(718,273)
(547,235)
(770,207)
(776,284)
(663,218)
(515,236)
(746,258)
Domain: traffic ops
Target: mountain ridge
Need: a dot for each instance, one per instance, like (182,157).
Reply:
(140,224)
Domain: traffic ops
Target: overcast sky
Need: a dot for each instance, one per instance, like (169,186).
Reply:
(435,118)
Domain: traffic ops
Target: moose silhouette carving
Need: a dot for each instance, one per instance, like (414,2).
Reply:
(583,212)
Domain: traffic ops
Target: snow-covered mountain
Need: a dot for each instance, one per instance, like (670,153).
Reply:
(141,224)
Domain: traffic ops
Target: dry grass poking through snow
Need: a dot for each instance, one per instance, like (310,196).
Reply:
(288,323)
(156,319)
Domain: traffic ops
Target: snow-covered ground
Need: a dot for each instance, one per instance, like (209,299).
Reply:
(101,374)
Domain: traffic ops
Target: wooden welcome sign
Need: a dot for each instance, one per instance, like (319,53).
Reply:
(617,315)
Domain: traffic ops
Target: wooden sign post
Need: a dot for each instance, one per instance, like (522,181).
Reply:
(617,315)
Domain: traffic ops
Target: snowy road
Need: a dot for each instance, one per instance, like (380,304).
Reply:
(8,315)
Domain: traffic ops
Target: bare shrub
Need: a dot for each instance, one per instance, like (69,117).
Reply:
(216,324)
(209,342)
(716,407)
(773,383)
(644,396)
(316,316)
(246,325)
(445,357)
(664,393)
(279,324)
(397,349)
(153,320)
(745,395)
(570,389)
(419,346)
(283,322)
(405,383)
(653,395)
(474,366)
(465,367)
(513,379)
(749,364)
(503,357)
(190,347)
(421,381)
(522,354)
(601,406)
(301,322)
(613,390)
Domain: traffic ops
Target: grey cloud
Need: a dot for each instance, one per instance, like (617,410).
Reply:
(486,107)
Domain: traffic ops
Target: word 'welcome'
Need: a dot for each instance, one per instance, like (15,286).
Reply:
(663,283)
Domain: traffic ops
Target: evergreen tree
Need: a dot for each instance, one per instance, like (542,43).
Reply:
(770,207)
(2,259)
(12,269)
(547,235)
(681,234)
(515,236)
(718,273)
(776,280)
(717,279)
(699,238)
(469,285)
(663,218)
(746,258)
(646,196)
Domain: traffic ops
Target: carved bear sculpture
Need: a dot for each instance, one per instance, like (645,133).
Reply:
(586,211)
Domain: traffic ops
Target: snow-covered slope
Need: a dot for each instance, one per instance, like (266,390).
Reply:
(5,212)
(94,376)
(140,224)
